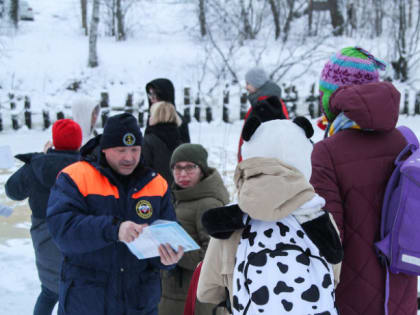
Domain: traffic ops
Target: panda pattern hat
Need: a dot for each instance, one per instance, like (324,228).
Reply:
(285,140)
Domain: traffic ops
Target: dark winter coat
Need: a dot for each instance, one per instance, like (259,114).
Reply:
(166,92)
(350,170)
(267,89)
(34,181)
(99,274)
(158,144)
(190,204)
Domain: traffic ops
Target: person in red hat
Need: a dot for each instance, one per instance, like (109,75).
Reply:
(34,181)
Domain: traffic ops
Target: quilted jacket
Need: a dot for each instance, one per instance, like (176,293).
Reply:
(350,170)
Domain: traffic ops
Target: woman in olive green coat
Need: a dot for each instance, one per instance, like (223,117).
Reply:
(196,189)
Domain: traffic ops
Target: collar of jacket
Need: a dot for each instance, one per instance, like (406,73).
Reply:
(269,189)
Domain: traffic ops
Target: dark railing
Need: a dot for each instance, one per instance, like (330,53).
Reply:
(192,108)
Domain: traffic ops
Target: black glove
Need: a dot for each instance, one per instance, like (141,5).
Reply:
(322,233)
(222,222)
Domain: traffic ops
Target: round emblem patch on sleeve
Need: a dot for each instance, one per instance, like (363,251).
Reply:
(129,139)
(144,209)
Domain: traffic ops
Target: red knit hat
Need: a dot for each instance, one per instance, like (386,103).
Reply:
(67,135)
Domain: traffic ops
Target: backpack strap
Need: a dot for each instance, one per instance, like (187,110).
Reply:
(409,135)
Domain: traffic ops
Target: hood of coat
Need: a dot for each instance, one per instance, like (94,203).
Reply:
(82,110)
(210,186)
(269,189)
(164,88)
(372,106)
(47,166)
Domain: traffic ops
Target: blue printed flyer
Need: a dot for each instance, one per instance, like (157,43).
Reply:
(160,232)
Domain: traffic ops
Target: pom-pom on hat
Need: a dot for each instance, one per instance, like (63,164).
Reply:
(256,77)
(191,152)
(67,135)
(349,66)
(121,130)
(284,140)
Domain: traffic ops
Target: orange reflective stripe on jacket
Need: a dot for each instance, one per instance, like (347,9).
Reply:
(156,187)
(90,181)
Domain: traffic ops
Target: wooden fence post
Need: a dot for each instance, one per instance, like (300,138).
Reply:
(60,115)
(104,102)
(12,102)
(242,109)
(313,107)
(209,114)
(197,109)
(27,113)
(187,102)
(405,107)
(141,114)
(46,119)
(290,99)
(225,104)
(417,104)
(129,103)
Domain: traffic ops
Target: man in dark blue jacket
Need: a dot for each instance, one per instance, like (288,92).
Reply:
(95,205)
(34,180)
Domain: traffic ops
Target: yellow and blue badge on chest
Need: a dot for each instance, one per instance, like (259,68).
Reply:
(144,209)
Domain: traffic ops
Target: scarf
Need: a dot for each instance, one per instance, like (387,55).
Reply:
(341,122)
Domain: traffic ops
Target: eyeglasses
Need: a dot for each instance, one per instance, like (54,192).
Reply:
(190,168)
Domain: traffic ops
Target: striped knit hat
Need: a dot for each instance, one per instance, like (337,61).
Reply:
(349,66)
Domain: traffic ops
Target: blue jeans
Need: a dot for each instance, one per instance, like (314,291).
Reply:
(46,301)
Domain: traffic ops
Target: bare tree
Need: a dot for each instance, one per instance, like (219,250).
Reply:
(116,17)
(290,5)
(14,12)
(119,15)
(379,15)
(83,8)
(202,17)
(93,35)
(276,17)
(337,20)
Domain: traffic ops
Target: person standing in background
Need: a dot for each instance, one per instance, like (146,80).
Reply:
(161,138)
(197,188)
(265,98)
(351,168)
(34,181)
(162,89)
(85,112)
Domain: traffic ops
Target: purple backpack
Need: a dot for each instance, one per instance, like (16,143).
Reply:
(399,246)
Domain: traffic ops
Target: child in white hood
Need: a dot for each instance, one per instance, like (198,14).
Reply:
(284,243)
(85,112)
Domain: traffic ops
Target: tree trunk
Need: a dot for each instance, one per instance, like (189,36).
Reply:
(276,18)
(93,35)
(202,18)
(379,14)
(286,29)
(248,34)
(83,7)
(337,19)
(310,16)
(14,12)
(120,21)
